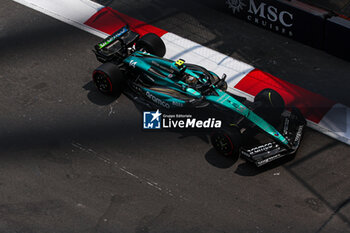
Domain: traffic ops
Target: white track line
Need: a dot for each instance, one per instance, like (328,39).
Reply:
(123,169)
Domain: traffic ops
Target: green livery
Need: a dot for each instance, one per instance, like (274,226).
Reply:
(135,67)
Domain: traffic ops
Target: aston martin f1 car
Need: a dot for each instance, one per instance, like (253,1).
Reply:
(260,131)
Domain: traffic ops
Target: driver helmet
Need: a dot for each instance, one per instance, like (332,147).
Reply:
(191,80)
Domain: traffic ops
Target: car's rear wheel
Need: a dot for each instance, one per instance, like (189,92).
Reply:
(227,142)
(109,79)
(152,44)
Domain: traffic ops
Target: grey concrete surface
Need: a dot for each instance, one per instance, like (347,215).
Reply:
(72,160)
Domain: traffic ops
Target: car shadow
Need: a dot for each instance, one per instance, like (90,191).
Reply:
(217,160)
(96,97)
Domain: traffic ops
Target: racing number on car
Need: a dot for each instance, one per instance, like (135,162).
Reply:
(179,63)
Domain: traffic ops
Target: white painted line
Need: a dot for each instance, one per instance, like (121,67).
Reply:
(143,180)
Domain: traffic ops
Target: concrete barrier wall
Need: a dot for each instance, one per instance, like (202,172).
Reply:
(337,37)
(310,25)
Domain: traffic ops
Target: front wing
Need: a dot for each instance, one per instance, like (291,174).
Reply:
(293,128)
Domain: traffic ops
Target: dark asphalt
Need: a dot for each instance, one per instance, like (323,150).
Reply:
(72,160)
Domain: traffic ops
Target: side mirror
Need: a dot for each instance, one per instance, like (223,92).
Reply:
(224,77)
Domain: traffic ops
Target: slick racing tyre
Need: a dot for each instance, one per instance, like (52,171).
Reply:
(271,104)
(109,79)
(152,44)
(227,142)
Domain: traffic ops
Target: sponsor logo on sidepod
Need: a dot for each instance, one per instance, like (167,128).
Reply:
(157,100)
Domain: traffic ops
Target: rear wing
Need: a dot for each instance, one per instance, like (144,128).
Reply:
(116,45)
(110,39)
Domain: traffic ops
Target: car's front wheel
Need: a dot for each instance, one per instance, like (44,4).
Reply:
(227,142)
(270,105)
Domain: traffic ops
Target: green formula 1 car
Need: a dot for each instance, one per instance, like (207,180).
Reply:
(260,131)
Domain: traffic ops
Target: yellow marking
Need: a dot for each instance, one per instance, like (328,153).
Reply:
(179,63)
(270,99)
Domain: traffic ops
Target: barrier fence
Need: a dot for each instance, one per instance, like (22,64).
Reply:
(317,27)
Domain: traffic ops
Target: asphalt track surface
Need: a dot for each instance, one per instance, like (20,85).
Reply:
(75,161)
